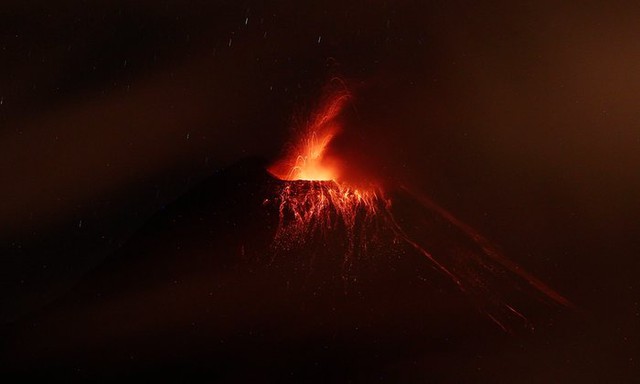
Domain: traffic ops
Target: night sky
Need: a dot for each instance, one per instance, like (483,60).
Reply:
(521,119)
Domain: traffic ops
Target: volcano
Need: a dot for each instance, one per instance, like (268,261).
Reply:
(284,269)
(220,281)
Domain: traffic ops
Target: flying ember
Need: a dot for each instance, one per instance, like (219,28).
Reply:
(314,203)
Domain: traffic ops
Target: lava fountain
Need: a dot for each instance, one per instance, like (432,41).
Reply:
(315,203)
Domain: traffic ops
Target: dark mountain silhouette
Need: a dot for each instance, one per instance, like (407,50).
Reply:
(203,290)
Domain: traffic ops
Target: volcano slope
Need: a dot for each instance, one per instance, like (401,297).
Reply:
(224,284)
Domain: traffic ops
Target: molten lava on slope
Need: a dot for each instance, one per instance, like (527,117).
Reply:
(316,206)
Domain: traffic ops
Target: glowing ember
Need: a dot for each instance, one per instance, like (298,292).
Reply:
(314,204)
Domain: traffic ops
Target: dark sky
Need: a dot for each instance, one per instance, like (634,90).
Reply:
(520,118)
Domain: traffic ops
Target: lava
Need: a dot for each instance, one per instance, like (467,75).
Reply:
(312,209)
(308,159)
(315,203)
(316,199)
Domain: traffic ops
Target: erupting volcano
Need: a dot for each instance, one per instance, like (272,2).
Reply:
(314,200)
(318,207)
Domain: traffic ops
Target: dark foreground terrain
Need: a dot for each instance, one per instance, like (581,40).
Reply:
(202,292)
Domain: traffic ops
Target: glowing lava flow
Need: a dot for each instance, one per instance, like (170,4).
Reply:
(315,204)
